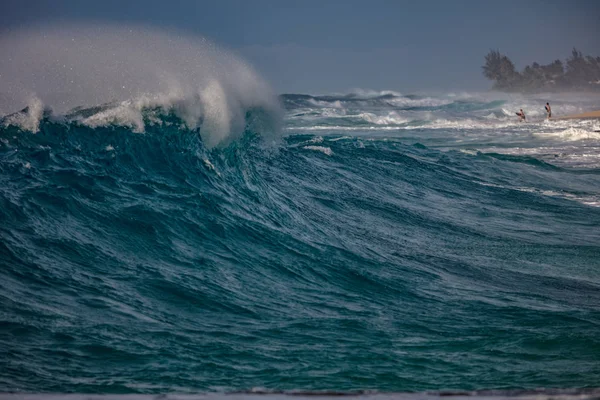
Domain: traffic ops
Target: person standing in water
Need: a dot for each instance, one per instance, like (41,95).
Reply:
(521,114)
(548,110)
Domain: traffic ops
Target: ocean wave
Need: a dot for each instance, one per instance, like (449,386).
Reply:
(572,134)
(391,118)
(371,249)
(353,100)
(163,251)
(148,69)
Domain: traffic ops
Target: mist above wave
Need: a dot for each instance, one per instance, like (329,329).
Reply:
(128,70)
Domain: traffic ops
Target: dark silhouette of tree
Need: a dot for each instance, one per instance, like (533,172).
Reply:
(554,71)
(501,69)
(575,73)
(579,72)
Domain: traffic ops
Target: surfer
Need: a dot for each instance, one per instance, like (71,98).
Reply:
(548,110)
(521,114)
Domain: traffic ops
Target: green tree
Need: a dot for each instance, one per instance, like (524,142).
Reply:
(501,69)
(579,72)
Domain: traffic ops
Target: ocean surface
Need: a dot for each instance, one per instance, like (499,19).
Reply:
(373,241)
(170,226)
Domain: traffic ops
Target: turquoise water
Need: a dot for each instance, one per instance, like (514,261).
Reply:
(382,242)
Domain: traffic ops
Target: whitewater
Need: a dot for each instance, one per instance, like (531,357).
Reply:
(169,224)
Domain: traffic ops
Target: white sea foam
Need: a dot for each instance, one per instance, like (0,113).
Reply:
(572,134)
(127,113)
(593,201)
(322,149)
(590,200)
(391,118)
(434,125)
(339,138)
(341,128)
(210,166)
(326,104)
(30,119)
(470,123)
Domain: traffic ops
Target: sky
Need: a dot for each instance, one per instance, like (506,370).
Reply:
(330,46)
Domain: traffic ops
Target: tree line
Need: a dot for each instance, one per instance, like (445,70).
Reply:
(577,73)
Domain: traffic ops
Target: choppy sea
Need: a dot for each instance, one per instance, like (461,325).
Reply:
(364,241)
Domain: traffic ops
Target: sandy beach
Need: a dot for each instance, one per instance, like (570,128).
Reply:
(591,114)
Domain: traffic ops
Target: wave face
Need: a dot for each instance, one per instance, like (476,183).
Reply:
(386,242)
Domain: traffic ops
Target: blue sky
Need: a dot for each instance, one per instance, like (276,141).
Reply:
(325,46)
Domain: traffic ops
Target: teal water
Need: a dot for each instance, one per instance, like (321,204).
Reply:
(371,247)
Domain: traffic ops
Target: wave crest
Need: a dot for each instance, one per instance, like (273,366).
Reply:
(116,73)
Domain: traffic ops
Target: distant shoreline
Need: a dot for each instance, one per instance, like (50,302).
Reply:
(587,115)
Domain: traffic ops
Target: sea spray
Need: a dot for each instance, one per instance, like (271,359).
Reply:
(126,71)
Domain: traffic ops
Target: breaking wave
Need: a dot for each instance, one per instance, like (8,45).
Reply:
(109,75)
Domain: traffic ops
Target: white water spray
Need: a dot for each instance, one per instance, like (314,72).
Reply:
(130,69)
